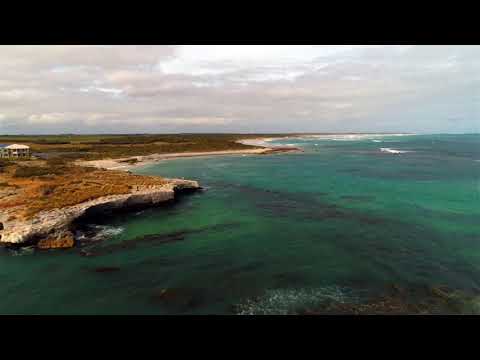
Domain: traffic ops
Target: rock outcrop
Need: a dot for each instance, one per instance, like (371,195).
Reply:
(51,229)
(57,241)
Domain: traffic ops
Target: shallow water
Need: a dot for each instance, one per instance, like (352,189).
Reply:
(337,222)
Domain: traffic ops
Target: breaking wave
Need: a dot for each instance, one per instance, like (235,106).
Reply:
(333,137)
(393,151)
(348,137)
(98,232)
(294,301)
(28,250)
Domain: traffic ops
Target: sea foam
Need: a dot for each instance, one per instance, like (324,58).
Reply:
(292,301)
(100,232)
(29,250)
(393,151)
(349,137)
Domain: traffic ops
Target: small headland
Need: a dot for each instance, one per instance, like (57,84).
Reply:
(40,200)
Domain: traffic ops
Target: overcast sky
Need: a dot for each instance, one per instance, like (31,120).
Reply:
(248,88)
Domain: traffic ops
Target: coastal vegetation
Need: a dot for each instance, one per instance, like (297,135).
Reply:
(31,187)
(95,147)
(42,196)
(3,164)
(35,193)
(52,180)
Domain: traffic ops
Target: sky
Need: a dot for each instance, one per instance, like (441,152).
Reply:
(239,88)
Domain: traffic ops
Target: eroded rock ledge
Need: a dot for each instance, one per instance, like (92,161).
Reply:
(52,228)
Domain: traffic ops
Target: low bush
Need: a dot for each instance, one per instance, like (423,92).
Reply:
(3,164)
(31,171)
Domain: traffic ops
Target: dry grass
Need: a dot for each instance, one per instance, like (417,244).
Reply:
(29,187)
(64,185)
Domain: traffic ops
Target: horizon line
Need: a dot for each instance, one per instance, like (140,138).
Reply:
(239,133)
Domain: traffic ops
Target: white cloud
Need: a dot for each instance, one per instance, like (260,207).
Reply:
(50,118)
(277,62)
(254,88)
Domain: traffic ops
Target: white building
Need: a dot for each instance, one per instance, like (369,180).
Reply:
(14,151)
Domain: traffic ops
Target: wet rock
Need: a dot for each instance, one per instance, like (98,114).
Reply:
(425,300)
(83,252)
(1,226)
(472,306)
(386,305)
(441,292)
(59,241)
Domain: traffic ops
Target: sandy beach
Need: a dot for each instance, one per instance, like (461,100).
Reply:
(137,161)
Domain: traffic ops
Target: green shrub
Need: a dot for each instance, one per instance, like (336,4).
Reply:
(3,164)
(50,142)
(31,171)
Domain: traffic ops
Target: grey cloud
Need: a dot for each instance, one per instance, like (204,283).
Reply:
(123,88)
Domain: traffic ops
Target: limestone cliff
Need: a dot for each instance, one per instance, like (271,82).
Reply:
(51,229)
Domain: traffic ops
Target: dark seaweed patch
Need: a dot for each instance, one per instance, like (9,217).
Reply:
(106,269)
(248,268)
(301,205)
(180,299)
(132,244)
(358,198)
(149,239)
(287,278)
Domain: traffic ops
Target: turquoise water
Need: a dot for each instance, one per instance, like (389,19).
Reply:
(339,221)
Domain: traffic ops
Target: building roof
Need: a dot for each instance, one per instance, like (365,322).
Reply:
(17,147)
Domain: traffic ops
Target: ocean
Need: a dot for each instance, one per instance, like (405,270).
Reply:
(341,222)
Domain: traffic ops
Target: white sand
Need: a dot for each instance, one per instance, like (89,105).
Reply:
(117,164)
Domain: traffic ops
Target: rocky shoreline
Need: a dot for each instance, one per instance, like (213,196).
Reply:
(52,229)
